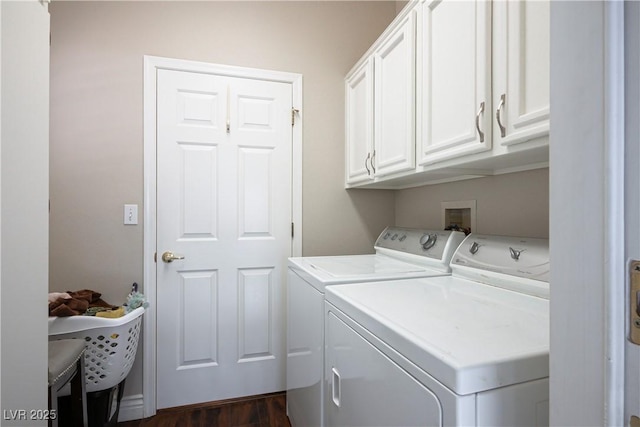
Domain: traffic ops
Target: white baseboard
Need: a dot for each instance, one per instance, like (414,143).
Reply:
(131,408)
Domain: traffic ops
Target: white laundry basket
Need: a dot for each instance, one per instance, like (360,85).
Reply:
(111,345)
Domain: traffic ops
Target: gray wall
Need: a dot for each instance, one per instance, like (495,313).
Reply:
(96,118)
(96,134)
(515,204)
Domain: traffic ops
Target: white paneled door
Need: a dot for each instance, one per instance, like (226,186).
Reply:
(224,148)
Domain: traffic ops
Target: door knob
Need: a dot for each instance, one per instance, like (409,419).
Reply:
(170,256)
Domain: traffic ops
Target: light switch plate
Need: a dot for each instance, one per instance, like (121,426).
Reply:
(130,214)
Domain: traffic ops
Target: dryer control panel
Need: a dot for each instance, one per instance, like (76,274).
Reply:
(434,244)
(517,257)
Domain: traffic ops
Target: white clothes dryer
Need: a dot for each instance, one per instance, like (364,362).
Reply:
(470,349)
(400,253)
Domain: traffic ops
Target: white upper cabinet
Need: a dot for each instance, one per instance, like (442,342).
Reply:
(454,79)
(359,123)
(394,100)
(453,89)
(521,69)
(380,106)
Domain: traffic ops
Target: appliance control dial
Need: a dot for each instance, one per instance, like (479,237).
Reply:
(428,240)
(515,253)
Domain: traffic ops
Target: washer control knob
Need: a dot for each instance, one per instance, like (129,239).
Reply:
(474,248)
(428,240)
(395,236)
(386,236)
(404,236)
(515,253)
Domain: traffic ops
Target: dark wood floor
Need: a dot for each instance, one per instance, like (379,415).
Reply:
(257,411)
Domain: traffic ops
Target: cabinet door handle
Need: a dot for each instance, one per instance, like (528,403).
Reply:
(480,111)
(373,159)
(366,165)
(503,130)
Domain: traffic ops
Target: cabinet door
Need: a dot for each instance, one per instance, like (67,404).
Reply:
(394,103)
(521,69)
(454,59)
(359,123)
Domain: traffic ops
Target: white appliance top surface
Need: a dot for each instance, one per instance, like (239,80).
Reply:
(401,253)
(325,271)
(469,336)
(362,265)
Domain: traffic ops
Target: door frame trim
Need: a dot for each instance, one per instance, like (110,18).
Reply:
(151,66)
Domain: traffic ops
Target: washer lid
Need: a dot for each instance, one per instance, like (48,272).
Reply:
(470,337)
(324,271)
(357,265)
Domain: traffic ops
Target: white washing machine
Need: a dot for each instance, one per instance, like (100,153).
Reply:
(401,253)
(470,349)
